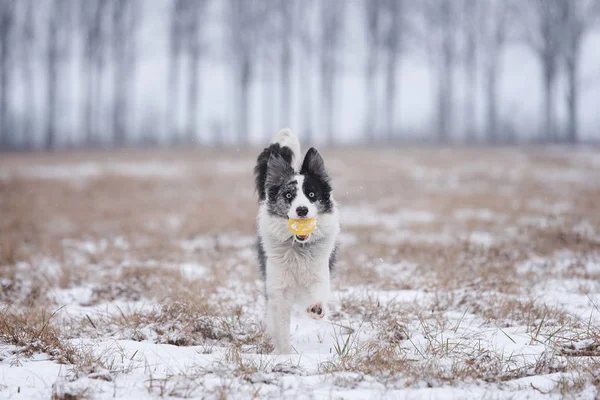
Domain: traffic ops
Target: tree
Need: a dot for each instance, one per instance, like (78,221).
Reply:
(332,19)
(541,22)
(496,15)
(392,41)
(441,18)
(193,31)
(306,37)
(287,30)
(93,15)
(471,15)
(373,14)
(28,34)
(59,21)
(247,21)
(124,23)
(56,42)
(7,23)
(176,33)
(576,19)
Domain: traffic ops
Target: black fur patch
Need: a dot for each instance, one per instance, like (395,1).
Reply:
(333,258)
(316,181)
(262,162)
(321,191)
(262,259)
(281,196)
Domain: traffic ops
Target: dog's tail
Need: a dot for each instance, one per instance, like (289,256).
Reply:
(287,138)
(286,145)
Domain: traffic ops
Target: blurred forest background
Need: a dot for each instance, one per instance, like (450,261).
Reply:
(112,73)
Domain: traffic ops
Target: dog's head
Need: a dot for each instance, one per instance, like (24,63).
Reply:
(292,195)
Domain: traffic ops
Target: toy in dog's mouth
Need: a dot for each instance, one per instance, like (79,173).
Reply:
(302,228)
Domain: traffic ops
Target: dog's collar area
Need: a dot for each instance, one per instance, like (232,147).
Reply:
(302,238)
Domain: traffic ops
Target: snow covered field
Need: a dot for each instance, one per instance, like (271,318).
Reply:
(463,274)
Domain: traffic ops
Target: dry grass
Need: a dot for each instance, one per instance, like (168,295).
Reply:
(34,331)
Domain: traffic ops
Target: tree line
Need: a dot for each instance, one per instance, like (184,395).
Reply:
(102,39)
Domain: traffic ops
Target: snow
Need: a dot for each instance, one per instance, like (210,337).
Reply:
(233,240)
(365,215)
(192,271)
(484,214)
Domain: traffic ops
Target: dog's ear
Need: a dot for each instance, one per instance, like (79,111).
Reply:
(314,165)
(278,170)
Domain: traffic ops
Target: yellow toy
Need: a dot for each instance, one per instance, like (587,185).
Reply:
(302,227)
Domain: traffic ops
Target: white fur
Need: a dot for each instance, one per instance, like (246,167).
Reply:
(287,138)
(296,273)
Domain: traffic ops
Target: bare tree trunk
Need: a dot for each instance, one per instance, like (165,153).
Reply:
(285,64)
(267,97)
(88,72)
(471,14)
(100,124)
(576,19)
(446,73)
(572,101)
(4,89)
(6,24)
(244,77)
(470,101)
(332,17)
(194,64)
(575,28)
(131,68)
(372,13)
(28,76)
(371,94)
(442,108)
(94,16)
(119,76)
(491,87)
(549,106)
(124,18)
(548,46)
(390,94)
(172,108)
(52,78)
(305,80)
(286,86)
(327,99)
(330,103)
(445,96)
(196,10)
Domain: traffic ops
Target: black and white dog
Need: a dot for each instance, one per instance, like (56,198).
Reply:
(296,269)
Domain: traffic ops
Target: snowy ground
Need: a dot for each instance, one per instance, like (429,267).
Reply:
(464,274)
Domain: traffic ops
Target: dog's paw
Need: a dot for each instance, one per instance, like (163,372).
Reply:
(316,311)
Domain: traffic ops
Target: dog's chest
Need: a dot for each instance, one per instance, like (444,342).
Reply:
(299,264)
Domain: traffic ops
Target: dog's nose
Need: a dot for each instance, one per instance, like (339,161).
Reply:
(302,211)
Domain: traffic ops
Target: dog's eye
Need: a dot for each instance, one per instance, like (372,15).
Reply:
(311,194)
(289,195)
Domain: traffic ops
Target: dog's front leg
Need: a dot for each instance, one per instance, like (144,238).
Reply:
(278,321)
(319,294)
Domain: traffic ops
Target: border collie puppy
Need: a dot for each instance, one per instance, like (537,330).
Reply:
(296,269)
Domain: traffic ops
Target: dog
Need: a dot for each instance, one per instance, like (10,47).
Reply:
(295,269)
